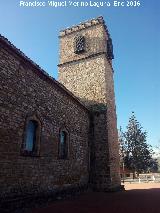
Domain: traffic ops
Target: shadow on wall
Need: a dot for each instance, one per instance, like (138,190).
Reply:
(94,106)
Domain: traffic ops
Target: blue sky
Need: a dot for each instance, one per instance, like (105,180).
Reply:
(135,32)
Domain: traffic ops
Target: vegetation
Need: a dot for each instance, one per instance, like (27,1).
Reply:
(157,155)
(135,153)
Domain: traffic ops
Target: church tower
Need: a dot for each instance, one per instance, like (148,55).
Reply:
(86,70)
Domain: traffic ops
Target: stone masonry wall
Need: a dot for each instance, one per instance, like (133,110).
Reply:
(26,91)
(90,77)
(95,43)
(86,79)
(112,127)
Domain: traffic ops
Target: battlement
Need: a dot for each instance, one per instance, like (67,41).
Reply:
(83,25)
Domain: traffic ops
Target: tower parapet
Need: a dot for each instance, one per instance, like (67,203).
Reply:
(81,26)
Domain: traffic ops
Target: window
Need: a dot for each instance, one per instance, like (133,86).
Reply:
(31,136)
(31,142)
(63,148)
(79,44)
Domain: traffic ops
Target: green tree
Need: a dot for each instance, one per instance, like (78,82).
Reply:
(122,146)
(158,149)
(137,152)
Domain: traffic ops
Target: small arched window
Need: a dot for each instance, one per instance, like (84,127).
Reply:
(31,135)
(63,145)
(79,44)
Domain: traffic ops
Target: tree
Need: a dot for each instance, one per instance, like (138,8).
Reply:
(121,151)
(137,152)
(158,149)
(157,157)
(121,146)
(154,167)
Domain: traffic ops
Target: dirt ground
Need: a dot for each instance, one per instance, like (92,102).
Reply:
(138,198)
(131,186)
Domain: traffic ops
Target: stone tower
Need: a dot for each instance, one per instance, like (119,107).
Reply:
(85,69)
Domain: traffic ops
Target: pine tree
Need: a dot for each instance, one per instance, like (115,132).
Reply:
(138,153)
(122,147)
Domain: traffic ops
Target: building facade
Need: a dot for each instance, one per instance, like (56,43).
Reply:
(56,135)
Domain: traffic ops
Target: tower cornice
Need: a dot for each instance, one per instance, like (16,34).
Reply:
(86,58)
(83,25)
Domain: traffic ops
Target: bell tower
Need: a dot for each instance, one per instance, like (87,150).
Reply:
(85,68)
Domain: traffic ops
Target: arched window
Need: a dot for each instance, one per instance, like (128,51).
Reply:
(31,135)
(79,44)
(63,145)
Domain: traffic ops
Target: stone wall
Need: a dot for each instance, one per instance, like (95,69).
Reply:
(89,76)
(86,79)
(112,127)
(88,113)
(27,91)
(95,43)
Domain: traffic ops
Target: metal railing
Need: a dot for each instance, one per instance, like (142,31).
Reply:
(143,178)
